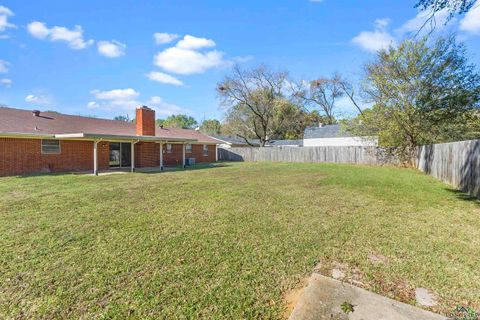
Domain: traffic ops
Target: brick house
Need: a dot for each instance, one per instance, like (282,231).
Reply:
(35,142)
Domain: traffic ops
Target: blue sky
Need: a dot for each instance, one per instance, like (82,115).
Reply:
(102,58)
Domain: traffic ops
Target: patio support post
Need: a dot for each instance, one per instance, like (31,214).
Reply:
(95,157)
(132,155)
(216,153)
(161,156)
(183,155)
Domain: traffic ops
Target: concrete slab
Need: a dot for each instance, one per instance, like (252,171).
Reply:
(425,297)
(323,298)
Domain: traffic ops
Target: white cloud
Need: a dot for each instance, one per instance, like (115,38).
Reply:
(127,100)
(93,105)
(111,49)
(4,65)
(38,99)
(471,22)
(377,39)
(382,23)
(186,58)
(164,78)
(242,59)
(38,30)
(373,41)
(115,94)
(163,108)
(183,61)
(4,14)
(193,43)
(6,82)
(73,37)
(163,37)
(6,11)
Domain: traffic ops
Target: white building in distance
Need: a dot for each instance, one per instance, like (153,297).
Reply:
(332,135)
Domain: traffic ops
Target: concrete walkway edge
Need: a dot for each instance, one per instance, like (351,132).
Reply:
(323,297)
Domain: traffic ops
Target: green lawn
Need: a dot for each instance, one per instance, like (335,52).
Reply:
(228,242)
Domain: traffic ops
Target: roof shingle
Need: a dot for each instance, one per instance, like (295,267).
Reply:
(326,131)
(23,121)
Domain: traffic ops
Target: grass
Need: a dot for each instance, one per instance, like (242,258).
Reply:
(227,242)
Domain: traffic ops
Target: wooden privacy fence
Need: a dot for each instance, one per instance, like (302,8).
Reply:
(456,163)
(354,155)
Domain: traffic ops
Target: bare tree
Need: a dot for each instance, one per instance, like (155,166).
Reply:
(349,90)
(251,97)
(322,94)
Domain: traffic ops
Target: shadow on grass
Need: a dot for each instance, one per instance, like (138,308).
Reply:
(463,196)
(200,166)
(48,174)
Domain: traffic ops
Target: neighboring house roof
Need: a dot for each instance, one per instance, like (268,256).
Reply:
(285,143)
(50,123)
(240,141)
(236,140)
(325,131)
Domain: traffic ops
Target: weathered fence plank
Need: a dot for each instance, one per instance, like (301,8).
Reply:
(456,163)
(354,155)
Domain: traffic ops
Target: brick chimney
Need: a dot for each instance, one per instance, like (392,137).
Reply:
(145,121)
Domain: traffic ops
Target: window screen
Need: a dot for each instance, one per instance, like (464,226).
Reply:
(169,148)
(205,150)
(50,146)
(188,148)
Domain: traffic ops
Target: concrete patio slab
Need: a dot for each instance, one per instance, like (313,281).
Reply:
(323,298)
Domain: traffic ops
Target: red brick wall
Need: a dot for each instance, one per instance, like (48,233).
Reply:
(175,158)
(24,156)
(197,153)
(147,155)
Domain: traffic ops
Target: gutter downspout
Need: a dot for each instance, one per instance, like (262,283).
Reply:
(183,155)
(161,156)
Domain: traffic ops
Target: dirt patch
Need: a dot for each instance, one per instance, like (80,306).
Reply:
(398,289)
(341,271)
(377,259)
(291,297)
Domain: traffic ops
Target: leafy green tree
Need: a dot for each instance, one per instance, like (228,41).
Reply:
(178,121)
(122,118)
(290,120)
(421,93)
(211,127)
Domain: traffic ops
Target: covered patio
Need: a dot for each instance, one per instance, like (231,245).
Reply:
(124,156)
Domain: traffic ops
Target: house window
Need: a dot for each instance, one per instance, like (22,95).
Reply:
(50,146)
(205,150)
(169,148)
(188,148)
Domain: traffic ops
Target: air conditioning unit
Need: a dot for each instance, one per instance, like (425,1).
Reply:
(190,161)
